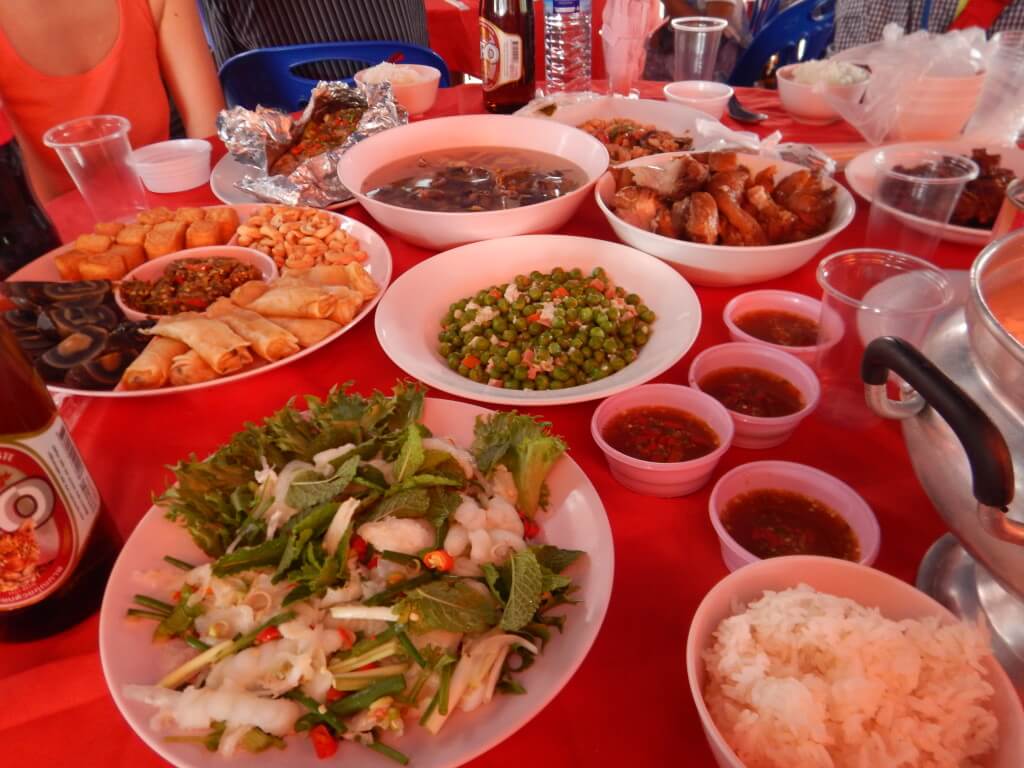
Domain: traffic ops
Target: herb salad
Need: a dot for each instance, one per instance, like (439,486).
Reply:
(366,576)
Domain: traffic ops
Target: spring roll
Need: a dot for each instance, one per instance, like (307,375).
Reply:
(295,301)
(360,280)
(219,346)
(248,292)
(190,368)
(306,330)
(269,341)
(150,369)
(321,274)
(349,302)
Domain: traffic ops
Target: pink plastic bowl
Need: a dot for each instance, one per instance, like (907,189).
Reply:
(758,431)
(654,478)
(797,478)
(783,301)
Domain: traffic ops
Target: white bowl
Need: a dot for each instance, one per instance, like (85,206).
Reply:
(895,599)
(796,478)
(807,104)
(665,479)
(439,230)
(758,431)
(705,95)
(152,270)
(725,265)
(173,166)
(417,97)
(785,301)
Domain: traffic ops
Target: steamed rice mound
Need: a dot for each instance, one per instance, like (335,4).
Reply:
(803,679)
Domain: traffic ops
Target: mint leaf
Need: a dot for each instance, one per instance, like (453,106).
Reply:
(412,502)
(423,481)
(493,577)
(310,488)
(410,457)
(443,504)
(451,605)
(524,595)
(552,581)
(555,559)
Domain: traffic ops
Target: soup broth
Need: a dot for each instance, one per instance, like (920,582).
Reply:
(474,179)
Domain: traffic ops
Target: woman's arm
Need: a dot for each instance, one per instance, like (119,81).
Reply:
(187,65)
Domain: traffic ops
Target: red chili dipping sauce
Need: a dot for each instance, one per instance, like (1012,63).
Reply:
(753,392)
(772,523)
(658,433)
(778,327)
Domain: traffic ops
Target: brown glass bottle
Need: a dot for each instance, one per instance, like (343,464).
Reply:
(57,542)
(506,54)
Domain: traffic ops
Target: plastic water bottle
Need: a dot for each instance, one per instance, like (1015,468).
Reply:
(567,45)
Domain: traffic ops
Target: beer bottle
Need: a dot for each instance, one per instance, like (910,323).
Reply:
(57,542)
(506,53)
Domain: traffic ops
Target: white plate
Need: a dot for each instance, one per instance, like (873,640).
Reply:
(677,119)
(576,519)
(378,265)
(409,317)
(861,173)
(228,171)
(725,265)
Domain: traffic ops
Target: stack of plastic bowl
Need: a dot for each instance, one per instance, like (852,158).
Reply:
(173,166)
(937,108)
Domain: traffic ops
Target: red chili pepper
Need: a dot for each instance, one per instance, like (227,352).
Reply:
(530,529)
(333,694)
(348,638)
(438,560)
(373,562)
(359,546)
(528,356)
(176,595)
(371,665)
(323,741)
(559,293)
(471,361)
(493,293)
(534,318)
(268,634)
(597,285)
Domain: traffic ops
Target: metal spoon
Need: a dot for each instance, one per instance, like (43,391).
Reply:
(741,114)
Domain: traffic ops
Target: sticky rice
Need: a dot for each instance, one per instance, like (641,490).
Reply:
(806,679)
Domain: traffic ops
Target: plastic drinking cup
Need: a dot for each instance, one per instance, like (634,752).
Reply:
(914,198)
(867,293)
(696,46)
(999,115)
(96,152)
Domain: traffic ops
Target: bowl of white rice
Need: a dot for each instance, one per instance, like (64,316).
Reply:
(806,88)
(414,85)
(800,662)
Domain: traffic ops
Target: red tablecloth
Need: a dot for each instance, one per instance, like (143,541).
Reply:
(629,703)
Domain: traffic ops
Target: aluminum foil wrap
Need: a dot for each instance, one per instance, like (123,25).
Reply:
(260,136)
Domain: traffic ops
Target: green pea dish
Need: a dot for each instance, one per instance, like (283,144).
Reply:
(545,331)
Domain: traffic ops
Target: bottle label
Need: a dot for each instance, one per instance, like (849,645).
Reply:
(501,55)
(566,6)
(48,505)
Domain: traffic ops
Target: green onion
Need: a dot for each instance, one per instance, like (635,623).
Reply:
(430,709)
(178,563)
(352,663)
(386,596)
(389,686)
(196,643)
(442,691)
(138,613)
(398,557)
(410,650)
(389,752)
(153,604)
(314,710)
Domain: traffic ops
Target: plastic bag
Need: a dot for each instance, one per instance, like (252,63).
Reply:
(712,137)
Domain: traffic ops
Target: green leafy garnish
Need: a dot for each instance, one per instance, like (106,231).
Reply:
(451,605)
(527,583)
(410,457)
(310,488)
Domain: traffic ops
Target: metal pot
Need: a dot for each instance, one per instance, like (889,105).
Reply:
(963,423)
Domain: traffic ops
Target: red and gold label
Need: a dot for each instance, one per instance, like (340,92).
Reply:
(48,504)
(501,56)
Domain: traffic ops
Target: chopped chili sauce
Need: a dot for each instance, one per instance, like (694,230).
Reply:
(659,433)
(771,523)
(188,285)
(753,392)
(778,327)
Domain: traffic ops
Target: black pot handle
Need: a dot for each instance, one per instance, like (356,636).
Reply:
(986,449)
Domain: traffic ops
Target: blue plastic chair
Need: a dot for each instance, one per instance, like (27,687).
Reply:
(265,75)
(811,22)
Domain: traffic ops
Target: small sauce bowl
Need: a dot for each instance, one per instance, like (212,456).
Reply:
(173,166)
(705,95)
(418,93)
(759,431)
(796,478)
(153,270)
(665,479)
(783,301)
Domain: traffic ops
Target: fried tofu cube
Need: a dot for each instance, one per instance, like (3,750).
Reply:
(93,243)
(109,228)
(226,218)
(67,264)
(131,255)
(102,266)
(155,215)
(203,233)
(189,214)
(165,237)
(133,234)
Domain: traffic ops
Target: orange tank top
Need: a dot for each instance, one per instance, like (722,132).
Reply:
(126,81)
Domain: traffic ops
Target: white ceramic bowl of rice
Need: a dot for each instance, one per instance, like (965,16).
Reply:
(930,685)
(414,85)
(805,88)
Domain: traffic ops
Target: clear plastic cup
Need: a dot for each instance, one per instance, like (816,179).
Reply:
(915,193)
(96,153)
(696,46)
(999,116)
(867,293)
